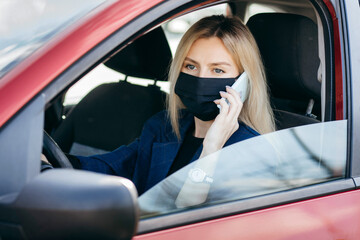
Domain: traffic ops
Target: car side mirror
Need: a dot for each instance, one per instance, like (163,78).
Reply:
(72,204)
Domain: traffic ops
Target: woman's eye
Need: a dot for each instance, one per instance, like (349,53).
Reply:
(218,70)
(190,67)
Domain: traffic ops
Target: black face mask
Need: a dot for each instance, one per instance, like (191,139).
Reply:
(198,94)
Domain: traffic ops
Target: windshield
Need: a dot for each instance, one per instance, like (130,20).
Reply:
(268,163)
(25,25)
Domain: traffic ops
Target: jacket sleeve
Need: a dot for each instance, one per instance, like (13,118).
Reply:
(122,161)
(119,162)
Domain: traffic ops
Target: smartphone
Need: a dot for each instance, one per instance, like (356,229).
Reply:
(241,85)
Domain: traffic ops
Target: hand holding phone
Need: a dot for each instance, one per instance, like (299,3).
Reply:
(241,85)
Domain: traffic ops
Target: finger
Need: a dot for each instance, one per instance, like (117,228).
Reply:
(234,105)
(224,106)
(234,93)
(237,97)
(217,101)
(230,98)
(43,158)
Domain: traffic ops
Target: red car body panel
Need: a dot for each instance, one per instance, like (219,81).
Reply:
(330,217)
(29,77)
(339,94)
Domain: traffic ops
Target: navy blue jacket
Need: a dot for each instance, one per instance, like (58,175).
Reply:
(148,159)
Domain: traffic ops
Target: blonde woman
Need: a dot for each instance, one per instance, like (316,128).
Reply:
(210,57)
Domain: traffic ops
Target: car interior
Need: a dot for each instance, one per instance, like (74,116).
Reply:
(291,71)
(113,114)
(289,36)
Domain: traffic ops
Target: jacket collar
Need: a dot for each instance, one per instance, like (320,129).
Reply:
(164,153)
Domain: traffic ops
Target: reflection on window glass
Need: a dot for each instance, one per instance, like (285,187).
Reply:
(270,163)
(27,25)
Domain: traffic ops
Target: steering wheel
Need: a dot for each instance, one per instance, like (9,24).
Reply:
(54,154)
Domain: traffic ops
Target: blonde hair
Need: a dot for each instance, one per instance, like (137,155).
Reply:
(240,43)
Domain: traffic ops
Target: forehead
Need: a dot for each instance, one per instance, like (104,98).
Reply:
(207,50)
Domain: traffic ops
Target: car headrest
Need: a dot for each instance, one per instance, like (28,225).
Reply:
(147,57)
(288,44)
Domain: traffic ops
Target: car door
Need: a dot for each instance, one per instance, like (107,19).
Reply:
(320,210)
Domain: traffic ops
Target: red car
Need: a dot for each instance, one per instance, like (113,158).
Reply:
(82,77)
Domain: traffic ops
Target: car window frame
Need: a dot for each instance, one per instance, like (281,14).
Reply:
(243,206)
(20,147)
(152,18)
(348,12)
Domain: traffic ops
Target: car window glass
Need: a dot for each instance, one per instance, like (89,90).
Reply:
(273,162)
(27,25)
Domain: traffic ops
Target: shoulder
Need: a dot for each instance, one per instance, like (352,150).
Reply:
(160,125)
(246,129)
(162,118)
(159,118)
(159,121)
(244,132)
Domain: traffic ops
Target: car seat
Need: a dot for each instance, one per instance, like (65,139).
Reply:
(113,114)
(288,44)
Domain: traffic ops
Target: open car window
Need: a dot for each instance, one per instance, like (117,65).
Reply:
(269,163)
(173,29)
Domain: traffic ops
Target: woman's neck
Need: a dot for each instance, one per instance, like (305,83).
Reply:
(201,127)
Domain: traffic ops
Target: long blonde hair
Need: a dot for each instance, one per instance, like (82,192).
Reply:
(240,43)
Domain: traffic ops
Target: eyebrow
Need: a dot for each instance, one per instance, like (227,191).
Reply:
(211,64)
